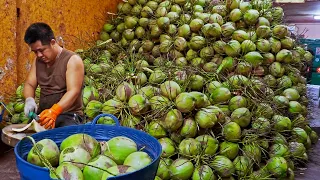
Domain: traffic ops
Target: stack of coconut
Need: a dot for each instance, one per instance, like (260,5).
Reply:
(219,84)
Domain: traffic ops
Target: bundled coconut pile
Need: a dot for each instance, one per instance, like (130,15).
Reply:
(14,109)
(219,84)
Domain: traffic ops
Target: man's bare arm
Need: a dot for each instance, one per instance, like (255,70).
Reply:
(74,78)
(31,83)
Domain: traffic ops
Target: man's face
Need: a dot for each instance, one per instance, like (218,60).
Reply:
(44,53)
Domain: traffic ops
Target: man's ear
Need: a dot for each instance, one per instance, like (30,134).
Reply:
(53,42)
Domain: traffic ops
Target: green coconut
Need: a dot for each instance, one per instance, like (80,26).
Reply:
(229,149)
(237,102)
(254,58)
(209,144)
(170,89)
(82,140)
(203,172)
(299,135)
(206,118)
(242,166)
(156,130)
(168,147)
(181,169)
(163,169)
(223,166)
(297,149)
(279,150)
(220,95)
(231,132)
(241,116)
(172,120)
(117,170)
(253,151)
(138,160)
(261,125)
(277,166)
(189,147)
(189,128)
(93,169)
(48,149)
(119,148)
(281,123)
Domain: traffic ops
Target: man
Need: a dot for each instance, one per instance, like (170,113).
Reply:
(59,73)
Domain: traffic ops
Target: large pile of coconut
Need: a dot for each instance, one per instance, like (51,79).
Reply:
(220,85)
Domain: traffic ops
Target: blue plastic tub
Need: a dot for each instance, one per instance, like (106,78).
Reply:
(2,112)
(101,132)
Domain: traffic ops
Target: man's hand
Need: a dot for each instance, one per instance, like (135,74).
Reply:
(30,106)
(48,117)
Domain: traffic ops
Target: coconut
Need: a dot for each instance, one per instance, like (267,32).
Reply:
(74,155)
(181,169)
(229,149)
(251,16)
(213,30)
(223,166)
(185,102)
(189,147)
(248,46)
(276,69)
(170,89)
(93,169)
(261,125)
(163,168)
(280,31)
(216,18)
(242,166)
(206,118)
(157,76)
(138,104)
(197,42)
(117,170)
(189,128)
(263,45)
(168,147)
(284,56)
(220,95)
(243,68)
(119,148)
(112,106)
(241,116)
(220,9)
(277,166)
(219,47)
(156,130)
(203,172)
(235,15)
(279,150)
(227,29)
(291,94)
(201,100)
(254,58)
(172,120)
(252,151)
(240,35)
(208,143)
(282,123)
(232,132)
(48,149)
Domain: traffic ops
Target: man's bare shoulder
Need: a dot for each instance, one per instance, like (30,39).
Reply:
(75,60)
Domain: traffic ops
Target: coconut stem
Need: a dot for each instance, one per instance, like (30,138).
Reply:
(42,158)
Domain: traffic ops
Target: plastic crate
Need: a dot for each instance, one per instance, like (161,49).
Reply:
(100,132)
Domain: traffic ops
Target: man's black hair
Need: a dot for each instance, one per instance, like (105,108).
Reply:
(39,31)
